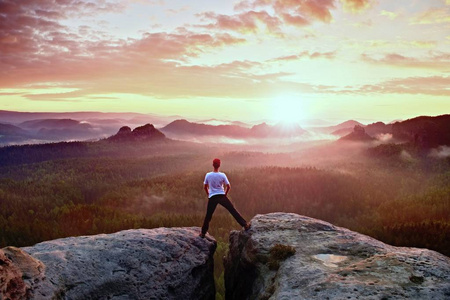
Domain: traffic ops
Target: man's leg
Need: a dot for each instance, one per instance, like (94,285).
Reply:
(225,202)
(212,204)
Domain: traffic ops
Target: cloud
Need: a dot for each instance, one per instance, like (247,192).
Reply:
(32,35)
(11,94)
(172,12)
(47,51)
(391,15)
(176,45)
(356,6)
(433,85)
(37,47)
(246,22)
(440,152)
(294,12)
(434,61)
(275,13)
(384,137)
(307,54)
(432,16)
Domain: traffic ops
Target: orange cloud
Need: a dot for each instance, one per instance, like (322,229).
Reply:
(298,12)
(293,12)
(355,6)
(436,60)
(246,22)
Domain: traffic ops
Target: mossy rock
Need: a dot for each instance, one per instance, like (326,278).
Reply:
(279,253)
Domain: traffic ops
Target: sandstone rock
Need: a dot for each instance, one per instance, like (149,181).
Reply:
(162,263)
(12,285)
(148,132)
(358,135)
(329,262)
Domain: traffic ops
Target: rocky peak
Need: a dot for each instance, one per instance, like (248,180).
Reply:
(162,263)
(124,130)
(145,132)
(288,256)
(358,135)
(147,129)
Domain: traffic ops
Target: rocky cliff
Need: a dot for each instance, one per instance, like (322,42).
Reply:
(287,256)
(358,135)
(157,263)
(148,132)
(283,256)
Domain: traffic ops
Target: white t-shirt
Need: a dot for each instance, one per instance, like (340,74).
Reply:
(216,181)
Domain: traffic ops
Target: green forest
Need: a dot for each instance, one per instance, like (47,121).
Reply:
(400,202)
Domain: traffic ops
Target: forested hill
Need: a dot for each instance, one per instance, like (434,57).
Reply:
(126,142)
(427,132)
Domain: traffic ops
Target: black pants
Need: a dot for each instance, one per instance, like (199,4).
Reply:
(225,202)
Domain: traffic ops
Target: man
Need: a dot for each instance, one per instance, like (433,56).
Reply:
(214,187)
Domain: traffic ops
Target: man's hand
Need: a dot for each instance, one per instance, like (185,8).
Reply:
(227,189)
(207,189)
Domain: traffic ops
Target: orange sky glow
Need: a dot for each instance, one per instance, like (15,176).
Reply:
(239,60)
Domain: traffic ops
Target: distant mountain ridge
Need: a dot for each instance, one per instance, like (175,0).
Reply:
(8,129)
(423,132)
(183,127)
(345,127)
(125,141)
(426,132)
(51,123)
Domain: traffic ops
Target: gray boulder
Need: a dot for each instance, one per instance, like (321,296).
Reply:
(288,256)
(162,263)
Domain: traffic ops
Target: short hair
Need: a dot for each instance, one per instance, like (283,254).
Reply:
(216,163)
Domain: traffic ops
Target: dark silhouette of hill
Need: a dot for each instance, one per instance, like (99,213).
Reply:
(424,132)
(142,133)
(183,127)
(8,129)
(51,123)
(60,129)
(263,130)
(358,135)
(343,131)
(418,136)
(378,128)
(16,117)
(12,134)
(371,129)
(125,142)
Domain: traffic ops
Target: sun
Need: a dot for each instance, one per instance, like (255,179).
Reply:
(288,109)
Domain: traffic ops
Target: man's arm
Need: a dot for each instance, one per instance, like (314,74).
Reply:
(206,189)
(227,189)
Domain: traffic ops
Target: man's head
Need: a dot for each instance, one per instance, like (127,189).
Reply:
(216,163)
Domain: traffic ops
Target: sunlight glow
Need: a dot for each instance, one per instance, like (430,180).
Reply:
(288,109)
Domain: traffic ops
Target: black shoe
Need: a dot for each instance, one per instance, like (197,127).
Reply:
(247,226)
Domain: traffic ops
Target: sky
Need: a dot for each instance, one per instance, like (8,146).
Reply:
(244,60)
